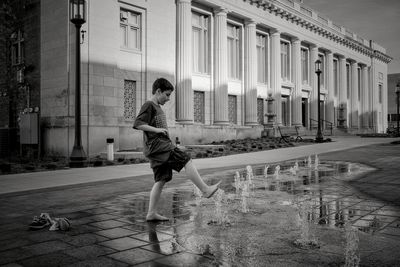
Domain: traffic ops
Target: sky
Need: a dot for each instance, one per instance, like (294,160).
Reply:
(377,20)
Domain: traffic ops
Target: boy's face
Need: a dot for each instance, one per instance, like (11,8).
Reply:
(163,97)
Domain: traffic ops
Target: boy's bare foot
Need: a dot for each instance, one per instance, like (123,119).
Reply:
(156,217)
(211,190)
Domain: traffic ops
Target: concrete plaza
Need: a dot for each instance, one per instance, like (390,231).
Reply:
(107,205)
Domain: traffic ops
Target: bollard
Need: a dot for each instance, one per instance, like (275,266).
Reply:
(110,149)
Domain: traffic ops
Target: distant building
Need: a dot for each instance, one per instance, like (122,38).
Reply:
(393,80)
(225,58)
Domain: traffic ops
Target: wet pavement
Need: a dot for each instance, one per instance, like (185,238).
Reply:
(360,186)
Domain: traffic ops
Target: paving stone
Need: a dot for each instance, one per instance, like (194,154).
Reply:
(47,247)
(168,247)
(14,255)
(13,243)
(98,262)
(49,260)
(186,259)
(12,265)
(82,229)
(108,224)
(135,256)
(103,217)
(152,236)
(123,243)
(84,239)
(89,252)
(116,232)
(43,235)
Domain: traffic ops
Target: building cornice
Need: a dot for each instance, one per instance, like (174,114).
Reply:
(309,20)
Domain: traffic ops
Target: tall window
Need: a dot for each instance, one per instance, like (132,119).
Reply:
(304,66)
(129,99)
(233,51)
(262,58)
(380,93)
(200,42)
(359,83)
(130,29)
(260,111)
(198,105)
(232,109)
(17,48)
(322,76)
(335,77)
(285,61)
(348,79)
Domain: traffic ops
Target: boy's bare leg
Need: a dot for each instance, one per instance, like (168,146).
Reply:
(195,177)
(155,195)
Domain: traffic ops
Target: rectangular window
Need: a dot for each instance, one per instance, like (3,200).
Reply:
(305,66)
(130,29)
(262,58)
(335,77)
(322,76)
(232,109)
(260,111)
(380,93)
(359,83)
(234,51)
(198,105)
(348,79)
(285,61)
(17,48)
(129,99)
(200,42)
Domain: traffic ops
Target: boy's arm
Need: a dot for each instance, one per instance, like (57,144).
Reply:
(148,128)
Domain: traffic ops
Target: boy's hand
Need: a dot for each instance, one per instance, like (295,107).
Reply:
(162,131)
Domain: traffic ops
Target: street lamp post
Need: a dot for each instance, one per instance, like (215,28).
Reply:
(397,99)
(78,17)
(319,138)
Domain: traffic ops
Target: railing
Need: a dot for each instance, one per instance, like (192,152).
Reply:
(324,125)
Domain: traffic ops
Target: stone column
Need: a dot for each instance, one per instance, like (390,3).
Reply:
(314,86)
(365,97)
(342,116)
(298,82)
(354,96)
(184,92)
(330,87)
(250,73)
(221,69)
(276,74)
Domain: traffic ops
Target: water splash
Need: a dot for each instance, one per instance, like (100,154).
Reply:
(221,215)
(245,195)
(250,176)
(237,182)
(266,184)
(296,166)
(352,254)
(309,162)
(307,236)
(277,171)
(316,162)
(197,194)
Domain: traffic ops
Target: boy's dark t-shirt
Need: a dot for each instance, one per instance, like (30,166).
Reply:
(157,146)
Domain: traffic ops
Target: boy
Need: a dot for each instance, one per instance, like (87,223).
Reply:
(158,148)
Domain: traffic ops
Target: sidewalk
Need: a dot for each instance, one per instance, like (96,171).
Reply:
(40,180)
(107,207)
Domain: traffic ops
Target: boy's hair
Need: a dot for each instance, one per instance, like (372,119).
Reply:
(162,84)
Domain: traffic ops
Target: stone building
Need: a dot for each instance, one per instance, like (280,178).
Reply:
(225,58)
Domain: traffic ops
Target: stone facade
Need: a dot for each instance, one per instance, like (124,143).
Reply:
(224,57)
